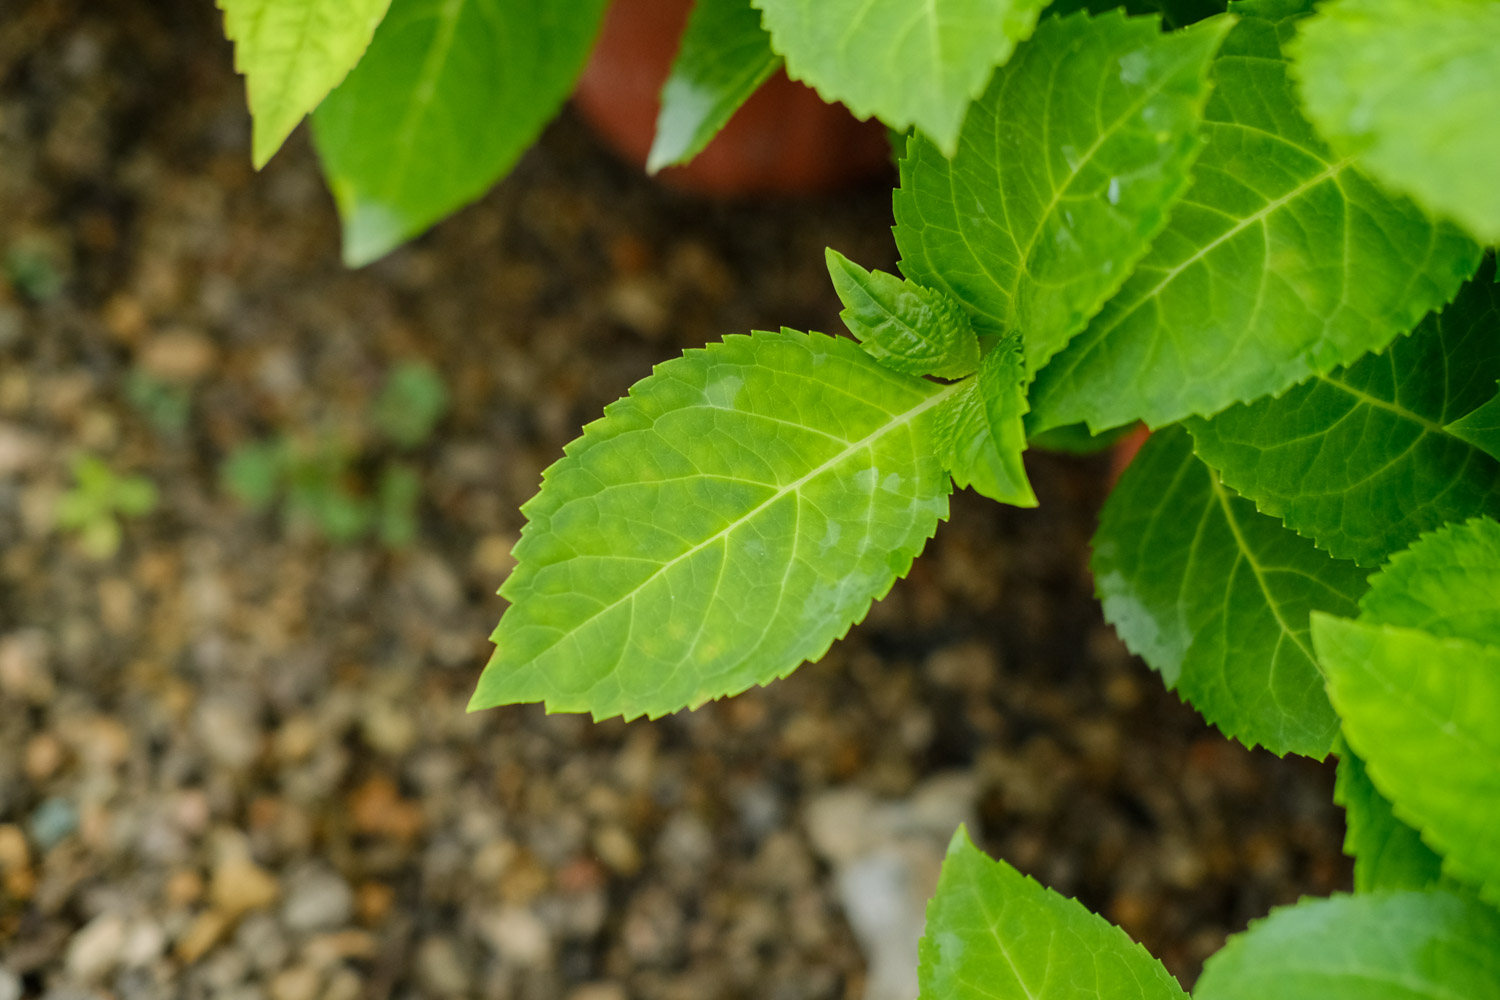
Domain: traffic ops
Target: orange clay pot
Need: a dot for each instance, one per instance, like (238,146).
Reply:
(1123,452)
(784,140)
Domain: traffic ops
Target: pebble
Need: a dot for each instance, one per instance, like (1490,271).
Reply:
(97,948)
(201,935)
(439,969)
(10,985)
(599,991)
(53,820)
(317,899)
(300,982)
(240,885)
(144,944)
(228,733)
(178,355)
(518,935)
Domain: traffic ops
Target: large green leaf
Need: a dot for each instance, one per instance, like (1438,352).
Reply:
(994,934)
(1387,853)
(980,431)
(1386,946)
(730,518)
(1447,584)
(292,53)
(1412,88)
(905,63)
(724,56)
(1065,170)
(1420,711)
(904,326)
(1215,597)
(1359,459)
(1280,262)
(447,98)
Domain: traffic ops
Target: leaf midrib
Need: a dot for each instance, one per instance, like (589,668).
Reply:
(422,93)
(1255,567)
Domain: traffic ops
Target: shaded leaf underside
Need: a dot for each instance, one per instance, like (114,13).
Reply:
(1215,596)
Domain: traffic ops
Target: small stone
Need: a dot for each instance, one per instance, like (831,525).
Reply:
(19,450)
(838,823)
(377,808)
(300,982)
(373,903)
(10,985)
(492,559)
(44,756)
(439,970)
(344,984)
(229,734)
(617,850)
(240,885)
(340,946)
(14,854)
(145,943)
(518,935)
(202,934)
(184,887)
(52,821)
(388,727)
(95,950)
(599,991)
(317,900)
(178,355)
(260,937)
(23,665)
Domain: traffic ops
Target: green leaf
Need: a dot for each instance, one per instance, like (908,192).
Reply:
(1359,459)
(1387,853)
(907,64)
(1446,584)
(1412,88)
(400,490)
(1480,428)
(730,518)
(292,53)
(724,56)
(412,401)
(1386,946)
(994,934)
(1065,170)
(1420,711)
(1281,261)
(449,95)
(902,325)
(980,431)
(1215,597)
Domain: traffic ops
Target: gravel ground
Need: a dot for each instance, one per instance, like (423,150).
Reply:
(234,757)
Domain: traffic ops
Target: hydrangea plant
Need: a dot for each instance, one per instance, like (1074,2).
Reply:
(1260,231)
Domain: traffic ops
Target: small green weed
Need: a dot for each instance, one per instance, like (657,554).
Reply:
(325,484)
(99,498)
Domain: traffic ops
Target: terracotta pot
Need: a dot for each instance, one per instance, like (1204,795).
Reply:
(783,140)
(1123,452)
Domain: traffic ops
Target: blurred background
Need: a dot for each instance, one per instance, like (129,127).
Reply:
(253,512)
